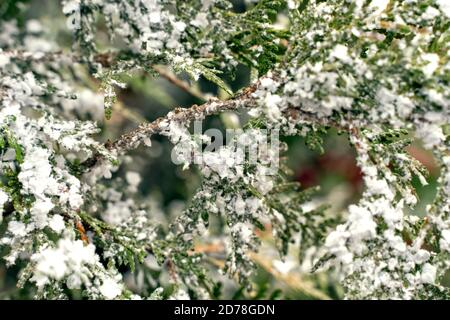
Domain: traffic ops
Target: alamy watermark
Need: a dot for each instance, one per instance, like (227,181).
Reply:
(237,148)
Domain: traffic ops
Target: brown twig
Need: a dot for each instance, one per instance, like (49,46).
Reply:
(82,232)
(172,78)
(293,281)
(213,106)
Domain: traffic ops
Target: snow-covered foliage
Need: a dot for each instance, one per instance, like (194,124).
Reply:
(377,70)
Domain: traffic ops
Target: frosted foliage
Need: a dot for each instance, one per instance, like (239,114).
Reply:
(72,211)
